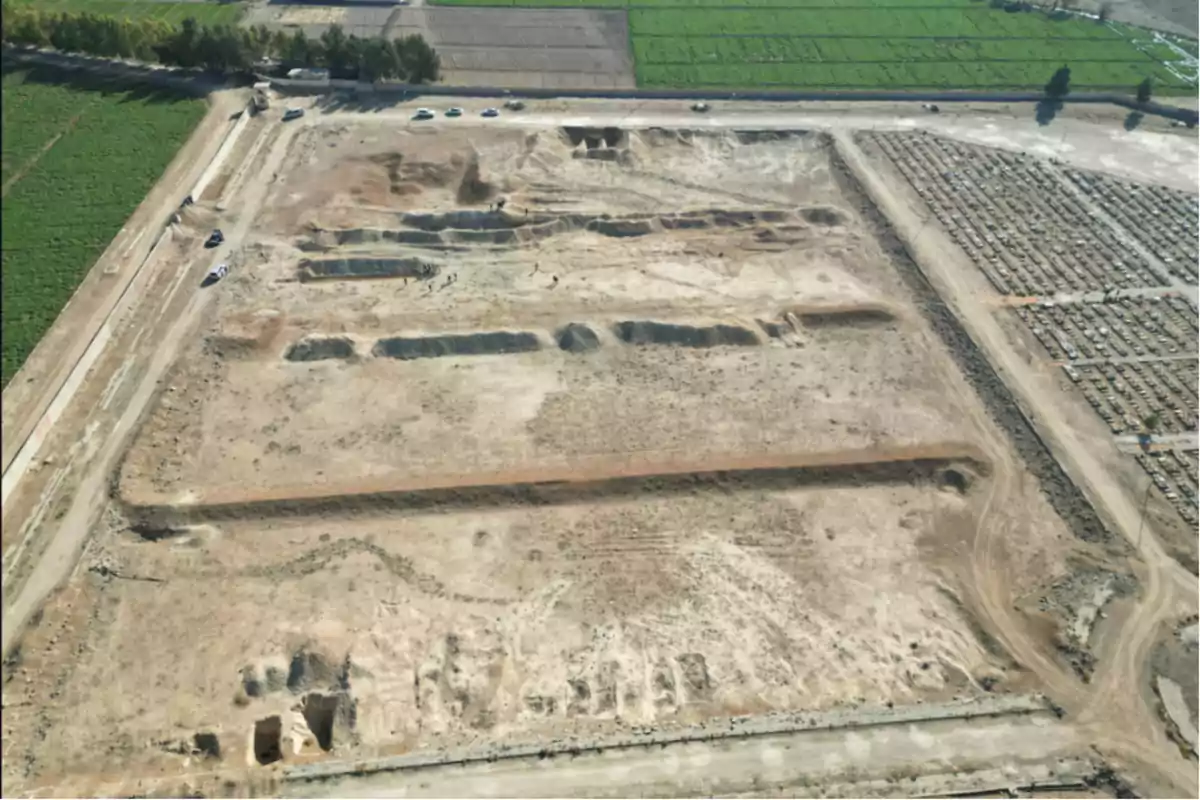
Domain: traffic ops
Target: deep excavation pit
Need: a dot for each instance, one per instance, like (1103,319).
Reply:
(321,348)
(577,338)
(268,740)
(472,344)
(596,138)
(643,332)
(343,268)
(207,745)
(320,714)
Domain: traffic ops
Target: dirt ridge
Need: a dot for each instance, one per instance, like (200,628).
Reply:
(953,466)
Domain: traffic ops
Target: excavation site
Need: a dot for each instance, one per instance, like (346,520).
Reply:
(632,461)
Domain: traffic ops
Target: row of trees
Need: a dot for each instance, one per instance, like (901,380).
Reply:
(225,48)
(1059,86)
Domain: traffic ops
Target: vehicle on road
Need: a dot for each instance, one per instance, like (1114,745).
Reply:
(214,239)
(700,107)
(215,274)
(454,112)
(423,113)
(491,112)
(514,105)
(293,113)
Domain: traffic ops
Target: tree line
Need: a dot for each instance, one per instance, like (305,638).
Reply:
(224,48)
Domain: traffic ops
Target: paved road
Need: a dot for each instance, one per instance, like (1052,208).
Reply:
(1166,158)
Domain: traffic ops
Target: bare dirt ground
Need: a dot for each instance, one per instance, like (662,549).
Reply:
(554,48)
(678,434)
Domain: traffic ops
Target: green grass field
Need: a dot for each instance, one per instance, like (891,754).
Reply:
(77,160)
(884,44)
(206,12)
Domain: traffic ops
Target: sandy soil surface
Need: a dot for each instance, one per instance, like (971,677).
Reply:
(772,311)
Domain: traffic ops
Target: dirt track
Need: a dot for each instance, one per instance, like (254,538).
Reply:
(1168,591)
(957,557)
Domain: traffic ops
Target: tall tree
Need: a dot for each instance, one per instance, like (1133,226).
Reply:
(1060,83)
(421,64)
(1144,90)
(339,56)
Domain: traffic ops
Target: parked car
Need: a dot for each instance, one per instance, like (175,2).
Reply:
(215,274)
(214,239)
(293,113)
(491,112)
(423,113)
(454,112)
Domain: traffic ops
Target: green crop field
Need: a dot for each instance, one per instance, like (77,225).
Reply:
(77,160)
(882,44)
(206,12)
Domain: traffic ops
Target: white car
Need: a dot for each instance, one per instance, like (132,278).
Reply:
(293,113)
(491,112)
(423,113)
(215,274)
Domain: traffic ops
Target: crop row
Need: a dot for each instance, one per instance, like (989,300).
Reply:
(751,50)
(208,13)
(899,75)
(862,22)
(62,213)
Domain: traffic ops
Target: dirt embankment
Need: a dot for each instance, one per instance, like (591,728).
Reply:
(951,467)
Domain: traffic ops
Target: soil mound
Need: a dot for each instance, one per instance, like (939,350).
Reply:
(577,338)
(775,330)
(320,348)
(473,344)
(334,268)
(644,332)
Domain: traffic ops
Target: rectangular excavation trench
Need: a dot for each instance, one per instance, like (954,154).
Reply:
(952,467)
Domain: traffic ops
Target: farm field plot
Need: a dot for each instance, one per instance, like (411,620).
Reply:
(898,44)
(208,13)
(76,162)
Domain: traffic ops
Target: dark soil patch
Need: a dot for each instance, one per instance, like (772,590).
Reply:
(320,348)
(645,332)
(473,344)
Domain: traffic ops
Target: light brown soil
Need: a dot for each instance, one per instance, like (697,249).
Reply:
(695,592)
